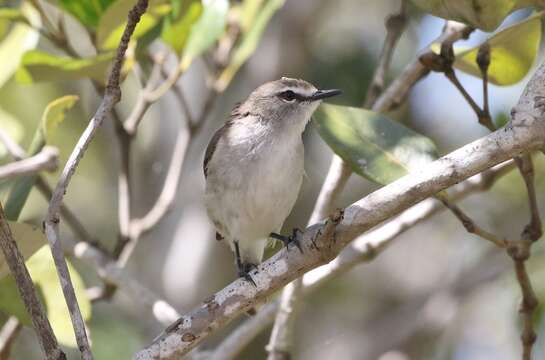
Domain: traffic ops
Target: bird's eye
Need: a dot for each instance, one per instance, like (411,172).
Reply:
(288,96)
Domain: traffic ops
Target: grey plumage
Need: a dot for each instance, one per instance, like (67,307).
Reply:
(254,165)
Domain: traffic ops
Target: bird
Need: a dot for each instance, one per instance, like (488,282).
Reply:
(254,166)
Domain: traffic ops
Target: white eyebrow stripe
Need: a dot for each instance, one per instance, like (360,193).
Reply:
(298,91)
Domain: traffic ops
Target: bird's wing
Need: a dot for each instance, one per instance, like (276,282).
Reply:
(212,147)
(235,113)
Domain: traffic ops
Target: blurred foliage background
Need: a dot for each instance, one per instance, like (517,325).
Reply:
(403,305)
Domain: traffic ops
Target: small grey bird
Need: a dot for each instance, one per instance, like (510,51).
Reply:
(254,167)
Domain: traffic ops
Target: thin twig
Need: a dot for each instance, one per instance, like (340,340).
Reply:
(124,141)
(533,230)
(444,63)
(45,160)
(470,225)
(395,24)
(144,101)
(520,252)
(16,262)
(483,60)
(527,308)
(8,334)
(395,94)
(51,222)
(165,200)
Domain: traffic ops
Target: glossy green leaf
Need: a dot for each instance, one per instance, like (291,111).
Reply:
(40,66)
(88,12)
(53,115)
(176,28)
(483,14)
(18,40)
(12,127)
(249,42)
(29,239)
(513,52)
(113,22)
(207,29)
(44,275)
(380,149)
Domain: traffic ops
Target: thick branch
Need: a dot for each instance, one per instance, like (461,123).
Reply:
(525,132)
(364,249)
(51,223)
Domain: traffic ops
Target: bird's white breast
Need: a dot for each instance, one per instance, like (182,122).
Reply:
(253,182)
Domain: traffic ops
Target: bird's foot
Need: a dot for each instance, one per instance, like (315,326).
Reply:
(292,239)
(244,272)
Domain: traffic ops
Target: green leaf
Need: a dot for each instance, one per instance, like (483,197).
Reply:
(44,275)
(112,23)
(176,28)
(250,10)
(4,27)
(88,12)
(29,239)
(12,127)
(40,66)
(377,148)
(483,14)
(20,39)
(513,51)
(13,15)
(53,115)
(207,29)
(249,42)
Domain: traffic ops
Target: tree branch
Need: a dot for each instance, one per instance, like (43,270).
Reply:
(46,159)
(364,249)
(395,24)
(8,334)
(16,262)
(51,222)
(525,132)
(470,225)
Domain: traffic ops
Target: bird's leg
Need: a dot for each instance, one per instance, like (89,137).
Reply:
(287,240)
(243,268)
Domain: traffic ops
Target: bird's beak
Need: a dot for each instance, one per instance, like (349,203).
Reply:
(322,94)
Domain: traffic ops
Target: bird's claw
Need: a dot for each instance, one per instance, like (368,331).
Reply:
(292,239)
(244,272)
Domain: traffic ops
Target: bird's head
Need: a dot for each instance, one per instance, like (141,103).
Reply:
(287,101)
